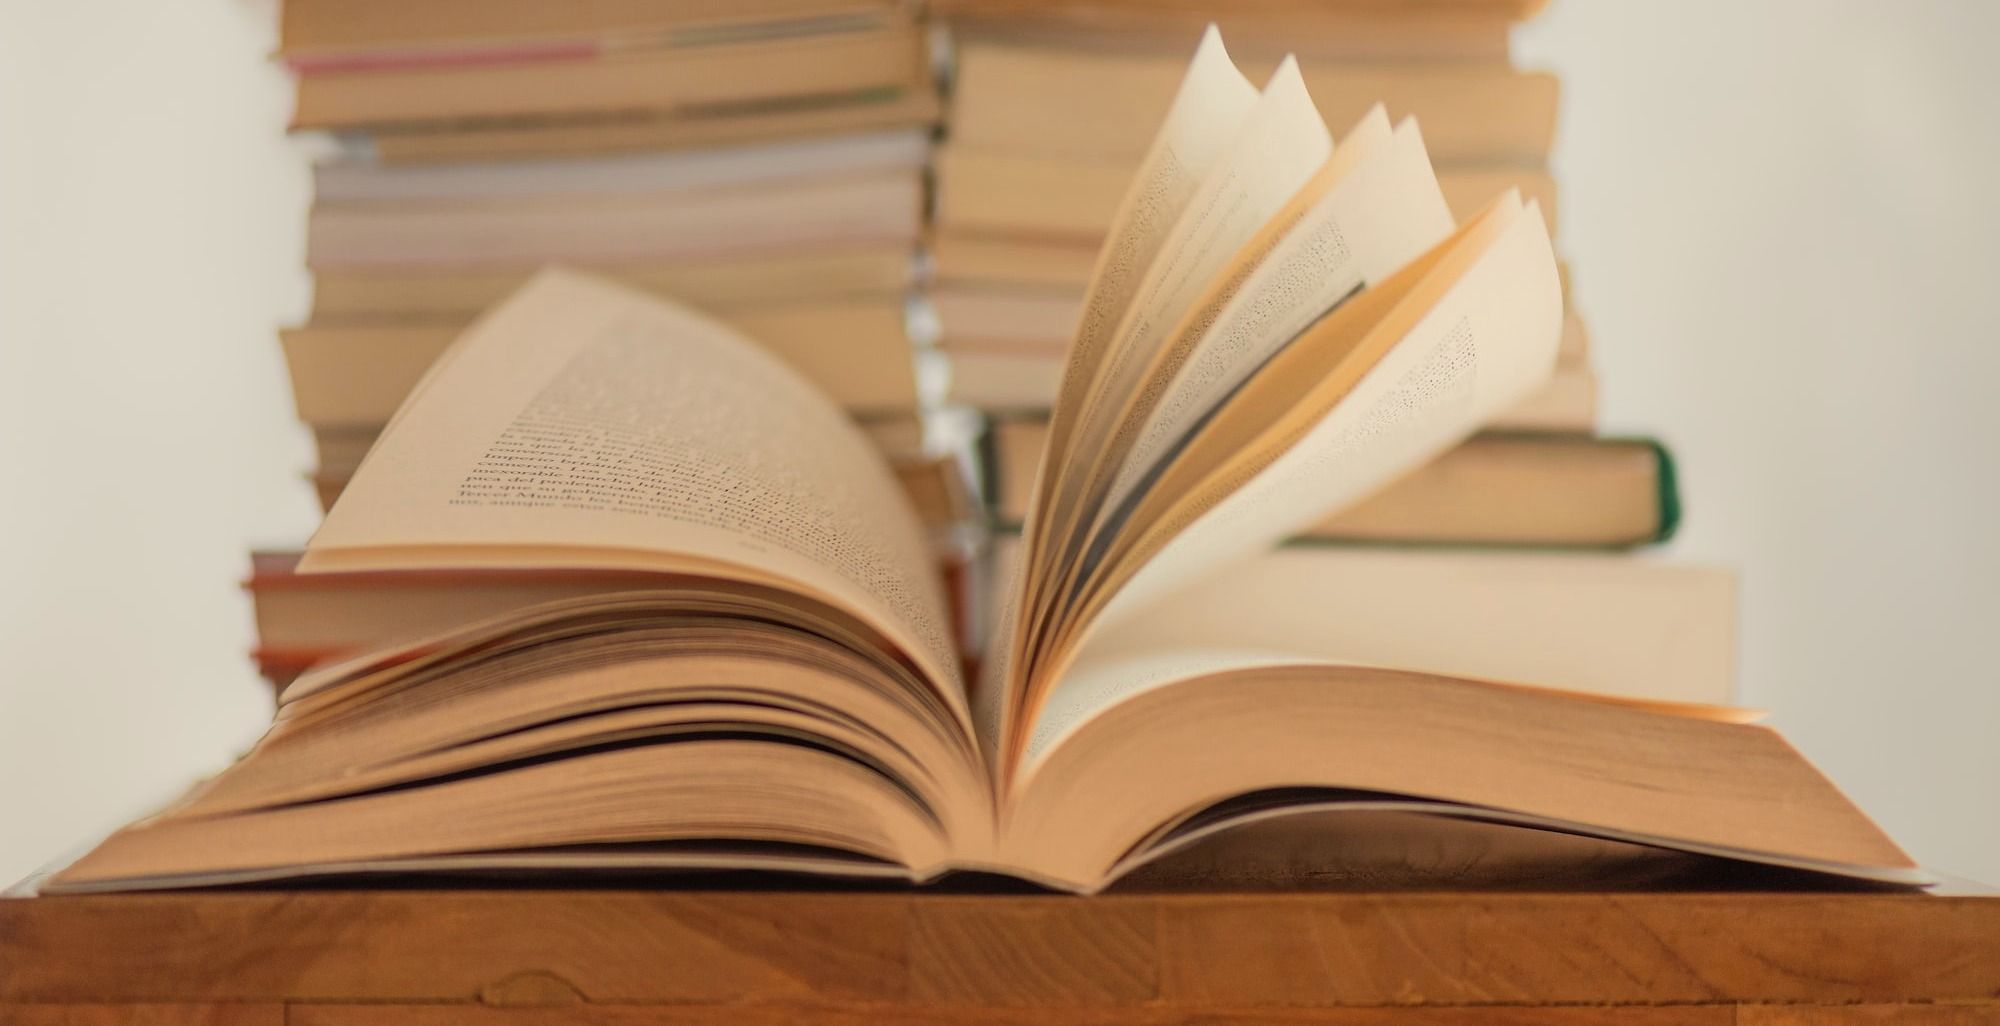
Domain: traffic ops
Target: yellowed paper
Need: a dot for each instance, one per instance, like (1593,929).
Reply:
(1489,341)
(1376,218)
(586,425)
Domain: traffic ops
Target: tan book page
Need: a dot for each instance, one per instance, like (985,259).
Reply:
(581,421)
(1629,629)
(1281,141)
(661,792)
(1212,101)
(1300,386)
(1534,756)
(1364,225)
(384,739)
(1487,341)
(1280,145)
(544,672)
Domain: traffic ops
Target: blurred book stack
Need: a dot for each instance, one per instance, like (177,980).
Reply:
(766,161)
(762,160)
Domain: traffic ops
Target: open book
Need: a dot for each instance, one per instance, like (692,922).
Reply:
(1278,325)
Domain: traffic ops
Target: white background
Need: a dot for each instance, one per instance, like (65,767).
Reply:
(1782,221)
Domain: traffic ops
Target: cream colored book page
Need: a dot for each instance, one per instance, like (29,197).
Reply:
(1213,100)
(1384,213)
(1210,105)
(1489,341)
(989,695)
(1096,682)
(1649,632)
(1276,150)
(582,416)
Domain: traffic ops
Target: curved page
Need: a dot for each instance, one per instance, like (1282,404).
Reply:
(1282,141)
(1490,340)
(1213,99)
(1378,217)
(581,424)
(1654,635)
(1215,733)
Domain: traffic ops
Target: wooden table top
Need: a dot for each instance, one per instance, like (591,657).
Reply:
(337,955)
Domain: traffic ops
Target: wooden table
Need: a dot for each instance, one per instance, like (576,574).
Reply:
(416,957)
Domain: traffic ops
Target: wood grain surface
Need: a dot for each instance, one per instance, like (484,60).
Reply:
(747,957)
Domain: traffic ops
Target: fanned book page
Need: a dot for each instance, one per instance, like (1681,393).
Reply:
(1282,141)
(1475,350)
(1365,214)
(730,649)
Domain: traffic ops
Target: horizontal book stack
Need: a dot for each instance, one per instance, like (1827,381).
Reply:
(763,161)
(1050,111)
(786,196)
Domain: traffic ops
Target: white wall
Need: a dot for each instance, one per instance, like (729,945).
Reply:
(150,230)
(1786,240)
(1782,238)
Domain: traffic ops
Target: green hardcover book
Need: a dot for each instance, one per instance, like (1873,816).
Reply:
(1497,489)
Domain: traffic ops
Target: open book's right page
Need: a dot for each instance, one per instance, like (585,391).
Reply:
(1649,637)
(1487,343)
(1212,101)
(1373,208)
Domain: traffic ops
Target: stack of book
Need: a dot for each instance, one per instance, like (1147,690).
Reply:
(1052,105)
(764,161)
(1049,116)
(681,617)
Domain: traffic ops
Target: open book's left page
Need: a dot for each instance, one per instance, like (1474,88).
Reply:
(583,425)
